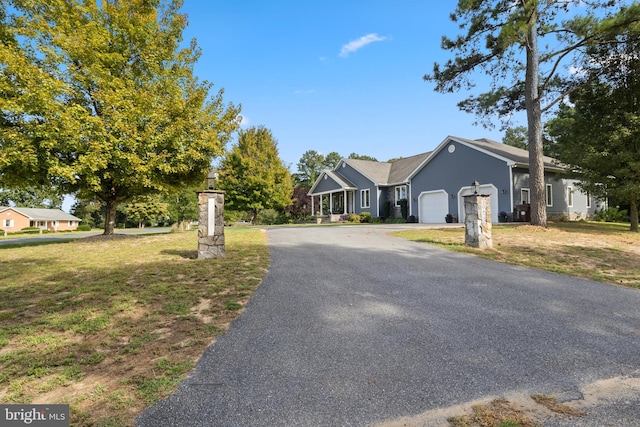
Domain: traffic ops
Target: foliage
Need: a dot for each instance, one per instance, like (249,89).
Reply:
(253,175)
(404,208)
(362,157)
(516,137)
(365,217)
(84,227)
(300,207)
(611,215)
(598,136)
(146,209)
(271,217)
(355,218)
(90,211)
(311,165)
(386,209)
(501,38)
(183,204)
(100,100)
(31,197)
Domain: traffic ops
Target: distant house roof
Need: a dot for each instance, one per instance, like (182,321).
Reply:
(35,214)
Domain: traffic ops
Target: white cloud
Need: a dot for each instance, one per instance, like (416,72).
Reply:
(355,45)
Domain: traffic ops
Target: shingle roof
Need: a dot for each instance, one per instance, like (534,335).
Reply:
(509,152)
(36,214)
(385,173)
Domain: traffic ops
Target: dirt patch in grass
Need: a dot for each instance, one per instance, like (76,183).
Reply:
(499,412)
(111,324)
(552,404)
(599,251)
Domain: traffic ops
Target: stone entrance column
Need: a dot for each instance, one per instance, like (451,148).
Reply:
(477,221)
(210,224)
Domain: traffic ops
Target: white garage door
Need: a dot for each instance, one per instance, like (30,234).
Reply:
(433,207)
(489,189)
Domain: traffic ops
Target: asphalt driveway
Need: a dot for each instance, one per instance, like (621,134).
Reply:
(352,327)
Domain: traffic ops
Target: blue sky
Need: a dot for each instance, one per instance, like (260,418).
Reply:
(334,75)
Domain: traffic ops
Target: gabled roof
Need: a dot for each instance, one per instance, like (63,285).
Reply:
(516,155)
(385,173)
(338,179)
(35,214)
(511,155)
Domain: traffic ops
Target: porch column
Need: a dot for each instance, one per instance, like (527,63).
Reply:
(344,202)
(330,203)
(313,211)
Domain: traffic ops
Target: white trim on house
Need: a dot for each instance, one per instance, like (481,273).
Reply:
(549,194)
(569,196)
(525,196)
(363,198)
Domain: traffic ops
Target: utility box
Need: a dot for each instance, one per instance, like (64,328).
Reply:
(210,224)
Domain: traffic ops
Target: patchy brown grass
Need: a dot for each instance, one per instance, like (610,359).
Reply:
(599,251)
(498,413)
(111,325)
(552,404)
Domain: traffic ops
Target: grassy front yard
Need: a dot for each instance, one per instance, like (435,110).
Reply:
(110,326)
(601,251)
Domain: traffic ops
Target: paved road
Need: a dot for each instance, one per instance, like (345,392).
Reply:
(351,327)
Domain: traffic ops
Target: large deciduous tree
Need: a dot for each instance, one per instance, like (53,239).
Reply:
(100,99)
(253,175)
(502,39)
(598,134)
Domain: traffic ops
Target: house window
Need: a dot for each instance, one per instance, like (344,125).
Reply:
(401,193)
(549,195)
(8,223)
(365,202)
(54,223)
(524,196)
(71,223)
(570,197)
(588,200)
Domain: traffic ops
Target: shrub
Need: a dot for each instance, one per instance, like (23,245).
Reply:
(365,217)
(353,218)
(611,215)
(84,227)
(404,208)
(386,208)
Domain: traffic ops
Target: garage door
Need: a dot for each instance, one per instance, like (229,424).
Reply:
(484,189)
(433,207)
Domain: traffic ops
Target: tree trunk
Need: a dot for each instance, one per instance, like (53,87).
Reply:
(110,217)
(534,121)
(633,211)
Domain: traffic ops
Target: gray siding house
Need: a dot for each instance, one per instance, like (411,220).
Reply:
(434,184)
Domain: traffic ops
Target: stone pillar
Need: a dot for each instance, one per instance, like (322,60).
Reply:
(210,224)
(477,221)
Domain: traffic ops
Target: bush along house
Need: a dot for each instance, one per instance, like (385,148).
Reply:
(433,185)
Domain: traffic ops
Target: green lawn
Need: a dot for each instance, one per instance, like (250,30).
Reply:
(110,326)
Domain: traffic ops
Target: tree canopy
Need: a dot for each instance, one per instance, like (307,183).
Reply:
(598,133)
(99,99)
(252,174)
(502,39)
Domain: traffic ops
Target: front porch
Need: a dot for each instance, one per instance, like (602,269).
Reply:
(334,206)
